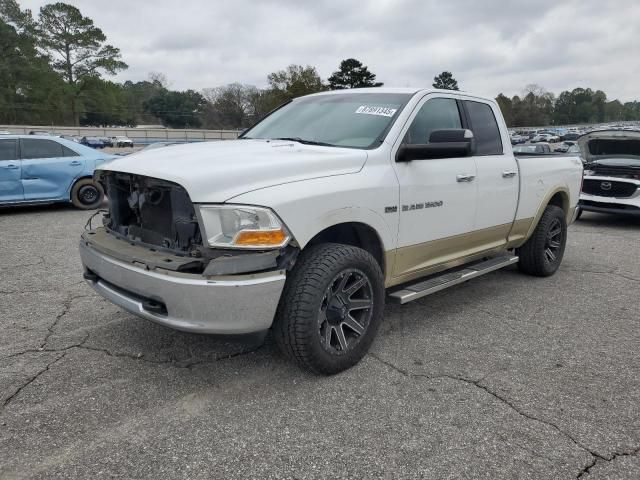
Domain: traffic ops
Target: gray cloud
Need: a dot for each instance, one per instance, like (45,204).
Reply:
(490,46)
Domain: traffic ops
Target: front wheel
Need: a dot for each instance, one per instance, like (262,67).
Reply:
(86,194)
(542,254)
(331,308)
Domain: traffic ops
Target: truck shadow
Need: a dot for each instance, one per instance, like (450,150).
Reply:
(625,222)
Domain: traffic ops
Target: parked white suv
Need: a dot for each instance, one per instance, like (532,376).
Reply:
(612,172)
(122,142)
(329,206)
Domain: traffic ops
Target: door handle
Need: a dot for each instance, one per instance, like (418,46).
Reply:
(75,163)
(509,174)
(465,178)
(12,166)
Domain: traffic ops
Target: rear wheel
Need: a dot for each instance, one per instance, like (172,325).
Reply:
(86,194)
(331,308)
(542,254)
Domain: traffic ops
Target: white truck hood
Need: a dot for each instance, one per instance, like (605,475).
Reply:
(214,172)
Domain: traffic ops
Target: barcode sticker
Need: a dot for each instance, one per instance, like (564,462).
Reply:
(382,111)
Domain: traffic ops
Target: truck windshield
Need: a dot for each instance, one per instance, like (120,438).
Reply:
(353,120)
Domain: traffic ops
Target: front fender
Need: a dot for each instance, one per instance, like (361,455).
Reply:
(309,207)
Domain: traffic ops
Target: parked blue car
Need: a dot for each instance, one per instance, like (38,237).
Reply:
(39,169)
(93,142)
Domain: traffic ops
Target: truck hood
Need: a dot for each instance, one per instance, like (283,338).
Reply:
(214,172)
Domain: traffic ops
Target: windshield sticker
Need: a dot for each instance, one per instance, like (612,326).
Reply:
(382,111)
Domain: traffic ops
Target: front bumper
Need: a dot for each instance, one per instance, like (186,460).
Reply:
(189,302)
(608,207)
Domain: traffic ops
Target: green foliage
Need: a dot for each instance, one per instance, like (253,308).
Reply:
(578,106)
(77,48)
(295,81)
(177,109)
(352,74)
(30,91)
(136,94)
(445,81)
(105,103)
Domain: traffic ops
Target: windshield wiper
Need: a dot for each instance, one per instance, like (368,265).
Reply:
(305,142)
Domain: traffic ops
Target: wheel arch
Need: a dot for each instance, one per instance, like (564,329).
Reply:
(559,197)
(357,234)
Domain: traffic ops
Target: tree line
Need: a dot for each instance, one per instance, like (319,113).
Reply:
(54,68)
(537,107)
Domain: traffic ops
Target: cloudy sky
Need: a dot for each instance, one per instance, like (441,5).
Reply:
(491,46)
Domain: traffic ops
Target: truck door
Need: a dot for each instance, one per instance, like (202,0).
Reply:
(497,175)
(437,196)
(48,168)
(10,184)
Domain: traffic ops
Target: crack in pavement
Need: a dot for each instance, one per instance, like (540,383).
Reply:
(66,306)
(587,469)
(81,346)
(186,364)
(21,265)
(40,290)
(30,381)
(603,272)
(596,456)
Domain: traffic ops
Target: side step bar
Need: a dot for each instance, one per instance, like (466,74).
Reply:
(449,279)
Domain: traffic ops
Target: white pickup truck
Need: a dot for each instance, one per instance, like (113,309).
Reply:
(328,207)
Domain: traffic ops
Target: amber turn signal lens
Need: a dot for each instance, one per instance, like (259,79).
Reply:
(267,238)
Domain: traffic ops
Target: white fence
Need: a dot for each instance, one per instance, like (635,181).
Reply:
(138,135)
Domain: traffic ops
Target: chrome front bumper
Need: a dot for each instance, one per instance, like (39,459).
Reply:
(188,302)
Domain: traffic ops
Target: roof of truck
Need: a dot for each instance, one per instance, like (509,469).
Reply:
(407,90)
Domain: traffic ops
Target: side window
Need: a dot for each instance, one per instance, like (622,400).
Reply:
(8,149)
(435,114)
(67,152)
(39,148)
(485,128)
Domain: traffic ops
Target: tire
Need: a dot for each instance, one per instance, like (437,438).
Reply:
(314,325)
(87,195)
(542,254)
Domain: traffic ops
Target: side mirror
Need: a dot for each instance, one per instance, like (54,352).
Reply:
(448,143)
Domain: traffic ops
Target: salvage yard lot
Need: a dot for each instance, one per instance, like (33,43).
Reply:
(505,377)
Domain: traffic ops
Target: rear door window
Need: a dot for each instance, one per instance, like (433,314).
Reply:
(67,152)
(8,149)
(39,148)
(485,128)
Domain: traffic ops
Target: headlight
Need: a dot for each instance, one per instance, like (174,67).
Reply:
(239,226)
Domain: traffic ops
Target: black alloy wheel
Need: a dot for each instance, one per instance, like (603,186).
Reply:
(345,311)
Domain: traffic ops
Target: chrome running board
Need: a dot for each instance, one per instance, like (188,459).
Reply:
(434,284)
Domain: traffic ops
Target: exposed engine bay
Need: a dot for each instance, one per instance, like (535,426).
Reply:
(614,153)
(152,212)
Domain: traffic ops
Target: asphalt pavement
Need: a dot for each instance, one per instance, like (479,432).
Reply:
(506,376)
